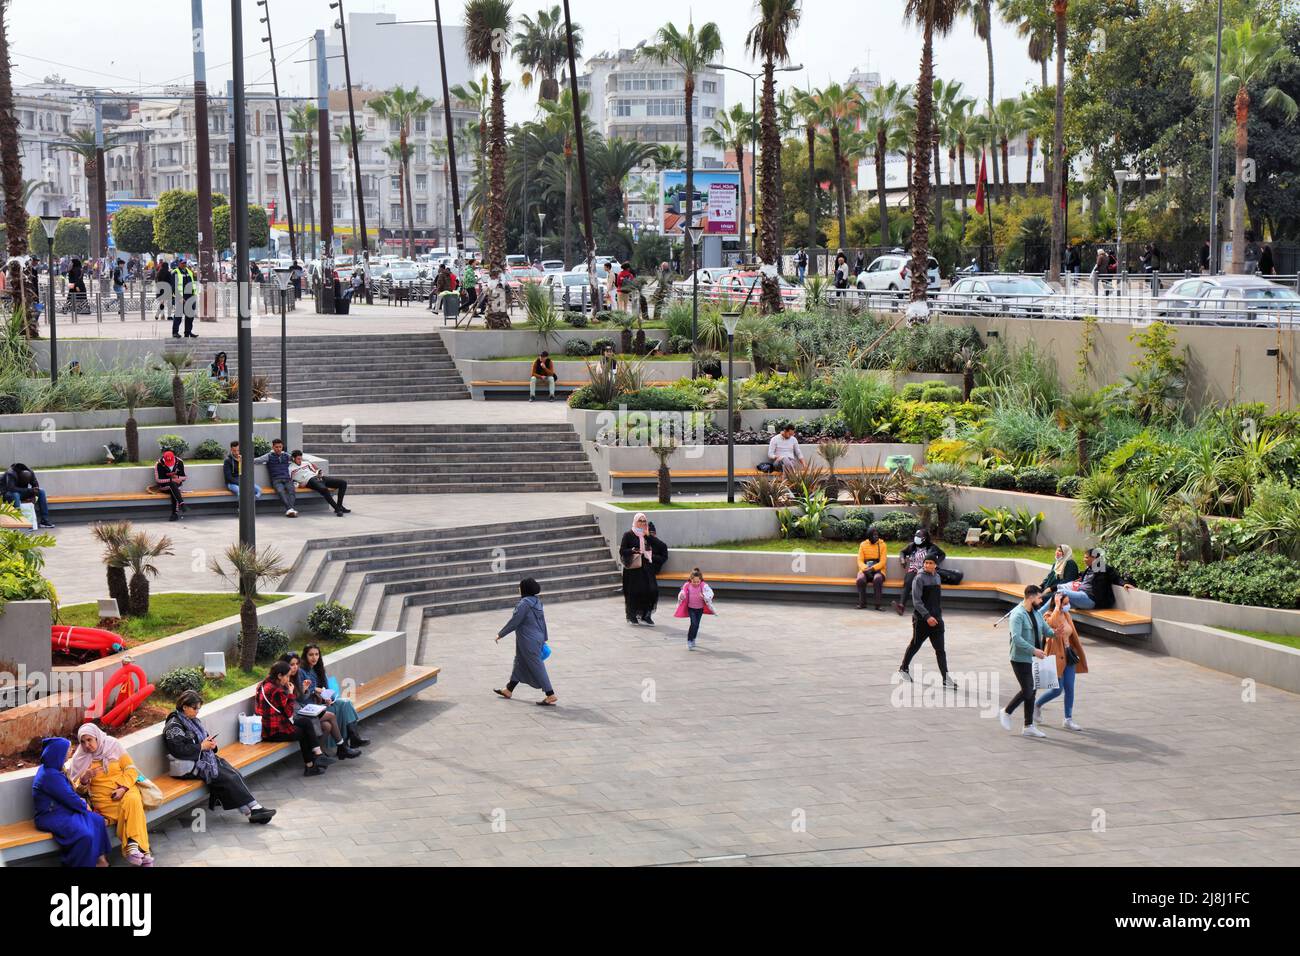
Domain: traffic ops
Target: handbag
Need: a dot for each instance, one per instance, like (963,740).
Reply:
(1045,673)
(634,562)
(950,576)
(1071,656)
(150,794)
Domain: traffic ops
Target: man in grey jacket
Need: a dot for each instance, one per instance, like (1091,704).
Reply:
(927,619)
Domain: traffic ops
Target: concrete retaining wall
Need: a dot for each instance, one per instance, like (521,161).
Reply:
(1059,521)
(588,423)
(129,479)
(1262,661)
(571,370)
(68,446)
(24,639)
(116,417)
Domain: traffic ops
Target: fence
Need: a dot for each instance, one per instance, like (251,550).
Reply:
(144,301)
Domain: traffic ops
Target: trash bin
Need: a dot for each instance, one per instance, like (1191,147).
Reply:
(450,307)
(342,300)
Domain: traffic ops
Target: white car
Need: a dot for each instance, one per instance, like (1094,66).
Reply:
(1006,294)
(574,286)
(893,273)
(708,278)
(552,266)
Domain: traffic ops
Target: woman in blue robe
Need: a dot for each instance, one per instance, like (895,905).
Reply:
(81,831)
(529,626)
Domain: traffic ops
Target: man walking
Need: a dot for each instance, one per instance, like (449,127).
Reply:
(1027,632)
(927,620)
(277,465)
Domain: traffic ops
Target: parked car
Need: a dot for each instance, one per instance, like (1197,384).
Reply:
(707,277)
(1001,294)
(403,271)
(893,273)
(1232,299)
(517,275)
(512,261)
(570,287)
(552,266)
(734,287)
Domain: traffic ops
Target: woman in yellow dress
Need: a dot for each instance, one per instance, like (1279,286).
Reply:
(103,770)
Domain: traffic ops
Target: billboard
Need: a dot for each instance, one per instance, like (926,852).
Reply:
(715,205)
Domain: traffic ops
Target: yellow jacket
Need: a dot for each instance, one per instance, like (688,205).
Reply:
(872,556)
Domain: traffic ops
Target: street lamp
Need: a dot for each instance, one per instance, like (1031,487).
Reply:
(541,245)
(730,320)
(1121,176)
(50,224)
(693,231)
(283,279)
(1214,146)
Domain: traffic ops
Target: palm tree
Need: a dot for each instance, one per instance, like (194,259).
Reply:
(540,49)
(1009,121)
(248,569)
(612,161)
(400,106)
(178,360)
(980,13)
(769,41)
(478,94)
(137,552)
(82,143)
(113,535)
(487,23)
(1059,11)
(1084,412)
(132,392)
(351,146)
(731,130)
(934,16)
(883,115)
(1034,114)
(400,156)
(840,104)
(960,126)
(302,121)
(557,120)
(810,111)
(1250,55)
(947,95)
(11,161)
(667,155)
(690,51)
(1034,24)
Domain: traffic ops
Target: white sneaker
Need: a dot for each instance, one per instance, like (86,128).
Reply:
(1004,719)
(291,513)
(1032,731)
(1069,724)
(1038,715)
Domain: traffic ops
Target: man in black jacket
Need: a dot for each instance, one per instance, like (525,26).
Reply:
(230,469)
(913,558)
(927,619)
(1096,587)
(20,485)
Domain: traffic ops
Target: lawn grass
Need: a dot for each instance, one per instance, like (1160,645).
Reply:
(237,678)
(679,505)
(1286,640)
(851,547)
(168,614)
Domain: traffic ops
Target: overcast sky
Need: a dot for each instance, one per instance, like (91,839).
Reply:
(97,43)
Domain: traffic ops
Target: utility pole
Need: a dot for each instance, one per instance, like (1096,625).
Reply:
(98,201)
(356,147)
(582,164)
(324,165)
(1214,148)
(203,155)
(286,196)
(244,334)
(451,136)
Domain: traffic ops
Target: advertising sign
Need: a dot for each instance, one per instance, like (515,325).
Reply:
(714,208)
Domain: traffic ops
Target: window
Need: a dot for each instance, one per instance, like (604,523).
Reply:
(622,108)
(421,212)
(395,183)
(395,213)
(393,125)
(421,123)
(709,111)
(338,211)
(421,183)
(709,86)
(272,182)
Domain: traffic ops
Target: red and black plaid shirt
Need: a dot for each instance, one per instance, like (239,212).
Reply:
(275,705)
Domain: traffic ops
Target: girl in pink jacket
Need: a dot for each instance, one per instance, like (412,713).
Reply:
(694,601)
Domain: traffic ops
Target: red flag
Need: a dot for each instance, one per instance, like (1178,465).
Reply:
(979,185)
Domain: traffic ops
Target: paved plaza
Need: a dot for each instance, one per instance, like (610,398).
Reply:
(778,743)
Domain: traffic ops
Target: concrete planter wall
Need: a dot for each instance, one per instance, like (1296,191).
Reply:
(1262,661)
(68,446)
(376,655)
(24,643)
(116,417)
(571,370)
(124,479)
(588,423)
(489,343)
(831,565)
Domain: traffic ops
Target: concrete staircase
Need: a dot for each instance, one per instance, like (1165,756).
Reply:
(347,370)
(399,580)
(451,458)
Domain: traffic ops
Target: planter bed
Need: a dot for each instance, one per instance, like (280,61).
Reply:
(79,446)
(588,422)
(116,417)
(169,613)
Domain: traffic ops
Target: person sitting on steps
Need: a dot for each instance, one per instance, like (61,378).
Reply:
(20,485)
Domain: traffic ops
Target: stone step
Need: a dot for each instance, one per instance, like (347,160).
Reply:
(507,546)
(485,569)
(465,532)
(454,453)
(507,596)
(365,472)
(478,488)
(475,429)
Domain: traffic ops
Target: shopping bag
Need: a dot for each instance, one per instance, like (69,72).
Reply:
(1045,673)
(150,795)
(250,729)
(28,509)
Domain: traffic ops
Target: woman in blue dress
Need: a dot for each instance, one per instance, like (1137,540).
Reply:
(81,831)
(529,626)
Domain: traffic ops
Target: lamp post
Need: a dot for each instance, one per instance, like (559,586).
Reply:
(279,128)
(693,231)
(730,320)
(1214,147)
(358,186)
(1121,176)
(541,244)
(50,224)
(283,278)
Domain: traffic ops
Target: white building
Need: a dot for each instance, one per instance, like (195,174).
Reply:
(383,54)
(635,97)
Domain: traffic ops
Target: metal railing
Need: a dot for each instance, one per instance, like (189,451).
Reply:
(144,301)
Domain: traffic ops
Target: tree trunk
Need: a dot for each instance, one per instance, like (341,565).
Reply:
(1059,165)
(1242,106)
(132,439)
(1006,171)
(880,187)
(118,589)
(688,254)
(247,630)
(839,183)
(1030,143)
(139,595)
(568,203)
(921,175)
(311,197)
(410,211)
(497,191)
(178,400)
(665,485)
(771,196)
(938,182)
(988,50)
(961,168)
(11,163)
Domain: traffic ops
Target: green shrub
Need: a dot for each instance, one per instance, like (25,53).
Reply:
(939,392)
(672,398)
(896,525)
(174,443)
(178,681)
(1256,578)
(585,397)
(209,448)
(272,642)
(577,347)
(852,529)
(970,518)
(954,532)
(925,421)
(865,515)
(330,621)
(1036,481)
(1000,479)
(260,446)
(577,320)
(982,395)
(679,344)
(1067,486)
(599,345)
(911,392)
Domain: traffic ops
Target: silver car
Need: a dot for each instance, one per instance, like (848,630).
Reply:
(1001,295)
(1229,299)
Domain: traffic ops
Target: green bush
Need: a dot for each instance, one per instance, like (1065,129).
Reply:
(1036,481)
(1067,486)
(954,532)
(671,398)
(209,448)
(577,320)
(577,347)
(272,642)
(970,518)
(925,421)
(911,392)
(865,515)
(1256,578)
(679,344)
(896,525)
(982,395)
(178,681)
(599,345)
(260,446)
(330,621)
(174,443)
(939,392)
(1000,479)
(852,529)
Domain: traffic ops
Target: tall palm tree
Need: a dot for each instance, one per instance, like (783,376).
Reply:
(82,144)
(1034,22)
(960,125)
(1009,120)
(883,115)
(667,155)
(477,94)
(691,51)
(810,111)
(1060,8)
(351,146)
(248,569)
(769,41)
(540,49)
(1251,53)
(611,162)
(980,13)
(934,17)
(1034,114)
(400,107)
(487,24)
(302,121)
(11,162)
(947,94)
(557,120)
(731,130)
(400,156)
(840,105)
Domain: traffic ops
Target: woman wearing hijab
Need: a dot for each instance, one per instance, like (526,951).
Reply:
(104,771)
(642,555)
(1064,569)
(79,830)
(528,624)
(329,722)
(169,473)
(192,754)
(1070,659)
(316,687)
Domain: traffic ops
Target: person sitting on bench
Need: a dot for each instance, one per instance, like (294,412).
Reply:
(783,452)
(543,370)
(277,465)
(192,754)
(913,559)
(169,473)
(20,485)
(1096,588)
(306,473)
(230,469)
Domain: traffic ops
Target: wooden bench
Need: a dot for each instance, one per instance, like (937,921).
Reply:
(1112,620)
(482,388)
(21,840)
(648,478)
(115,502)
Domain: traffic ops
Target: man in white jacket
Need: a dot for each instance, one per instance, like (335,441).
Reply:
(306,474)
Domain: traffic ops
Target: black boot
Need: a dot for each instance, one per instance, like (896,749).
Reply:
(344,752)
(355,739)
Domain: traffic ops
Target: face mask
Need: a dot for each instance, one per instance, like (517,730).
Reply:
(918,540)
